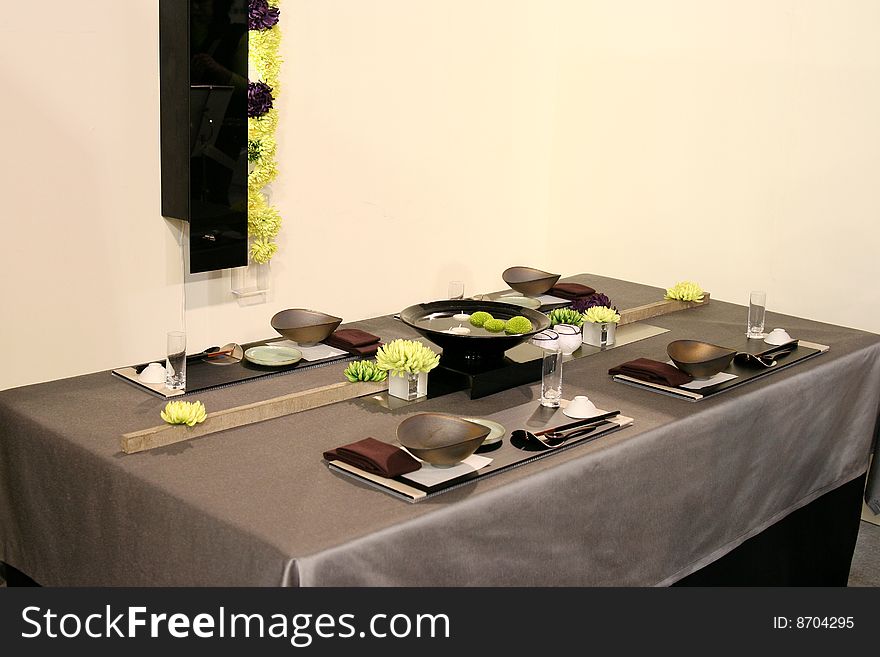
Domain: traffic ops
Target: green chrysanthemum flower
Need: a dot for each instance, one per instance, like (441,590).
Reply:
(262,250)
(365,370)
(601,315)
(406,356)
(181,412)
(480,317)
(685,291)
(494,325)
(566,316)
(518,325)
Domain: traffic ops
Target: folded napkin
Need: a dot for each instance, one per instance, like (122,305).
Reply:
(571,290)
(369,350)
(375,457)
(653,371)
(354,341)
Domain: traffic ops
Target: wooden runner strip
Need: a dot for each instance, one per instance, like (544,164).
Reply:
(657,308)
(168,434)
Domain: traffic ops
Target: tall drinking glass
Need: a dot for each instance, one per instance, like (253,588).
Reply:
(551,378)
(455,290)
(175,362)
(757,307)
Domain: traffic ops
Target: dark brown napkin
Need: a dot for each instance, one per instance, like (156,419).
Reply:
(571,290)
(375,457)
(369,350)
(653,371)
(354,341)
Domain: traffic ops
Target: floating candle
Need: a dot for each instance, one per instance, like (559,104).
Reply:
(461,317)
(459,330)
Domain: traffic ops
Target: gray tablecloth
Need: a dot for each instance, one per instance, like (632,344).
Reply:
(687,483)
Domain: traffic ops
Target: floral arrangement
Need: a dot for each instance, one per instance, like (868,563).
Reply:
(597,299)
(264,63)
(181,412)
(401,357)
(565,316)
(365,370)
(685,291)
(601,315)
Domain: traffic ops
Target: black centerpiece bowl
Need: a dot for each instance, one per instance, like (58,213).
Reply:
(435,319)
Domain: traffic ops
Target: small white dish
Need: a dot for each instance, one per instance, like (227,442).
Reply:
(152,373)
(777,336)
(581,408)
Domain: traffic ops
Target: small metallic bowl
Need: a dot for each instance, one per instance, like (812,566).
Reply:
(699,359)
(441,439)
(305,327)
(529,281)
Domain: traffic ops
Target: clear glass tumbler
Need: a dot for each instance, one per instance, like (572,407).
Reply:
(757,307)
(175,361)
(551,378)
(455,290)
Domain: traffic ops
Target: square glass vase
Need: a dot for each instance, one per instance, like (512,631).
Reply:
(409,386)
(599,334)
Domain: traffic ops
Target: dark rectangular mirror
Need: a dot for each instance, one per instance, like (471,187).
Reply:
(203,47)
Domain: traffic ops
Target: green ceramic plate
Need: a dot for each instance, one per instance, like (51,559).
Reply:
(496,430)
(273,355)
(525,302)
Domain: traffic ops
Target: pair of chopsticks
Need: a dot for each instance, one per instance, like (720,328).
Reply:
(597,419)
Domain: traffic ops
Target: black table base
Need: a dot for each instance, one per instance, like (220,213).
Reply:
(812,546)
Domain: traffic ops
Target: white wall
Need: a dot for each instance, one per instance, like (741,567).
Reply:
(424,141)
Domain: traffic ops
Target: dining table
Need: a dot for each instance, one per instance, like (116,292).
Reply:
(672,498)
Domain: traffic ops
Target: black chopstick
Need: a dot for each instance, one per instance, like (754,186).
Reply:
(579,423)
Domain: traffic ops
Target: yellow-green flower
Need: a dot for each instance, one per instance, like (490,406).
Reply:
(181,412)
(406,356)
(262,250)
(566,316)
(517,324)
(365,370)
(685,291)
(601,315)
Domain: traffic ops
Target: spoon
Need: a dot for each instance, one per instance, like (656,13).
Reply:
(764,360)
(231,352)
(556,438)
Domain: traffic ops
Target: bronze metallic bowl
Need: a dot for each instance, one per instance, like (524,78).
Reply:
(305,327)
(528,281)
(441,439)
(699,359)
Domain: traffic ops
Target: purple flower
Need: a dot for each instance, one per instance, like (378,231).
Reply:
(259,99)
(261,16)
(597,299)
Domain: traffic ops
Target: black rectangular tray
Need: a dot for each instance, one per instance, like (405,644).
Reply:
(508,457)
(203,375)
(744,373)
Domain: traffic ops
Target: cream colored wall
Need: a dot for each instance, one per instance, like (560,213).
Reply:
(734,143)
(426,141)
